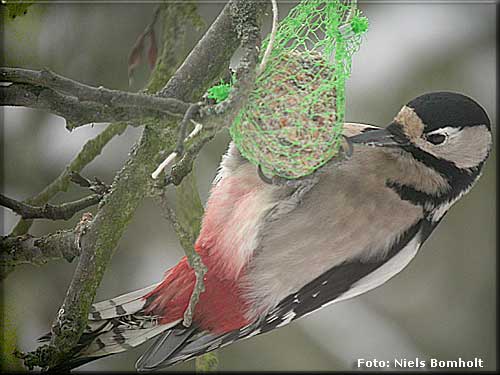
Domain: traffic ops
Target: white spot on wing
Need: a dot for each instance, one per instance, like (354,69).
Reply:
(287,318)
(245,330)
(271,318)
(256,332)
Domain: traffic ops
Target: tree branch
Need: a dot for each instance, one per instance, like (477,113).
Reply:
(203,66)
(189,212)
(60,212)
(38,250)
(184,166)
(220,116)
(112,218)
(181,137)
(26,249)
(206,62)
(110,101)
(187,229)
(63,211)
(89,152)
(76,113)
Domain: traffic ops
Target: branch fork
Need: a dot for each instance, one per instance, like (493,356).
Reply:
(63,211)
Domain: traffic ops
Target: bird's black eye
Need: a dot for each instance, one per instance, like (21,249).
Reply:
(436,139)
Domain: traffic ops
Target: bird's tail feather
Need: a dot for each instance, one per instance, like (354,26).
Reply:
(125,304)
(114,326)
(163,348)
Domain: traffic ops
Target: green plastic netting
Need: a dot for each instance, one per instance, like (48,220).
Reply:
(292,123)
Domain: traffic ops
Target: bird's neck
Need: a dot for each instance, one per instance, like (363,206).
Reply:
(429,182)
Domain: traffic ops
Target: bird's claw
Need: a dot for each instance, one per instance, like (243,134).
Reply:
(263,177)
(281,181)
(346,146)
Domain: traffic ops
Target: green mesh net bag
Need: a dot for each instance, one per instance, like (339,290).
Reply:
(292,124)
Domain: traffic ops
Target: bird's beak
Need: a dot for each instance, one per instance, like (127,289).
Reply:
(381,137)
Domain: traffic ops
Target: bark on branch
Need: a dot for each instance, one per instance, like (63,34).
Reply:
(26,249)
(38,250)
(63,211)
(204,64)
(76,112)
(113,216)
(89,152)
(49,91)
(214,118)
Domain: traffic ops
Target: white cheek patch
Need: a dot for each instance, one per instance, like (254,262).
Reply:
(466,147)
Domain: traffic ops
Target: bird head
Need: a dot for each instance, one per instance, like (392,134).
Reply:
(445,130)
(448,135)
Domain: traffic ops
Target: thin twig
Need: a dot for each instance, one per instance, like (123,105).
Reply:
(197,129)
(87,154)
(181,138)
(184,166)
(188,116)
(164,164)
(187,240)
(272,37)
(64,211)
(97,186)
(156,13)
(199,287)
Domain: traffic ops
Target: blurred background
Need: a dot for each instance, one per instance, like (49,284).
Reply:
(443,305)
